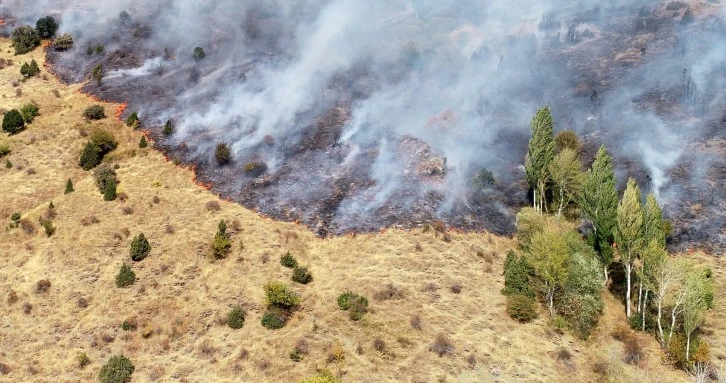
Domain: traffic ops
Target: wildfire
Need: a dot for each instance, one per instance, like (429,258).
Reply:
(120,111)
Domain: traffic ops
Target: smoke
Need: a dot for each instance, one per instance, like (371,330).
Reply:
(330,94)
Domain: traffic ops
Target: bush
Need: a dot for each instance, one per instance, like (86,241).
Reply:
(25,39)
(301,275)
(273,319)
(46,26)
(279,295)
(104,140)
(110,193)
(48,227)
(521,308)
(69,187)
(132,119)
(168,128)
(220,244)
(222,154)
(288,260)
(142,142)
(95,112)
(346,299)
(29,112)
(358,308)
(126,277)
(42,286)
(484,179)
(118,369)
(91,156)
(567,139)
(322,377)
(140,248)
(236,318)
(63,42)
(4,149)
(442,345)
(529,222)
(516,276)
(103,176)
(199,53)
(13,121)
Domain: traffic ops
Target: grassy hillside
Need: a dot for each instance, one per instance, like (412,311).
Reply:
(181,299)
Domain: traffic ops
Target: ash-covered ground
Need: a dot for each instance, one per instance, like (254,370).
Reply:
(353,116)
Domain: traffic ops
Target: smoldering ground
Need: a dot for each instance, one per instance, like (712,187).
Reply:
(350,115)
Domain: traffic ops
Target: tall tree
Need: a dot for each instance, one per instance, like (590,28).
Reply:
(540,153)
(695,303)
(668,276)
(550,257)
(653,258)
(629,234)
(652,231)
(599,203)
(566,175)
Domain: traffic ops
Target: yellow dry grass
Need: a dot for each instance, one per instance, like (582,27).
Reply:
(180,298)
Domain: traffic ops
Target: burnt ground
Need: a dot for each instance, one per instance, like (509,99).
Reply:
(315,181)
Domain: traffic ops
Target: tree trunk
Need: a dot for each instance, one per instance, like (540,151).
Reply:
(673,324)
(645,300)
(562,199)
(640,296)
(605,271)
(534,198)
(628,268)
(550,298)
(660,326)
(688,346)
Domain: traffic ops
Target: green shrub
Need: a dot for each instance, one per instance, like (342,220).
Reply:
(129,325)
(301,275)
(236,318)
(140,248)
(46,26)
(484,179)
(132,119)
(118,369)
(273,319)
(168,128)
(529,222)
(25,69)
(126,277)
(516,276)
(91,156)
(29,112)
(288,260)
(521,308)
(95,112)
(221,243)
(322,377)
(33,68)
(142,142)
(8,164)
(13,121)
(104,140)
(69,187)
(48,227)
(97,76)
(198,54)
(358,308)
(279,295)
(4,148)
(99,48)
(25,39)
(110,193)
(103,176)
(346,299)
(222,154)
(63,42)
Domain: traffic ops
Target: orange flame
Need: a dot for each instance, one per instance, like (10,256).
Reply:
(120,111)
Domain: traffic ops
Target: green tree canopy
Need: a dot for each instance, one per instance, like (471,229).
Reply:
(629,233)
(540,153)
(46,26)
(25,39)
(13,121)
(550,256)
(566,175)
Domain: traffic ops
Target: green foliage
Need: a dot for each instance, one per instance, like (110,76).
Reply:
(48,227)
(222,154)
(344,300)
(97,74)
(549,257)
(168,128)
(46,26)
(599,203)
(653,226)
(103,176)
(8,164)
(4,148)
(95,112)
(301,275)
(567,139)
(540,153)
(521,308)
(529,222)
(142,142)
(322,377)
(221,243)
(629,231)
(140,248)
(273,319)
(118,369)
(110,193)
(91,156)
(288,260)
(63,42)
(484,179)
(99,49)
(516,276)
(29,112)
(236,318)
(33,68)
(13,121)
(104,140)
(567,178)
(357,304)
(279,295)
(199,53)
(25,39)
(132,119)
(126,277)
(25,69)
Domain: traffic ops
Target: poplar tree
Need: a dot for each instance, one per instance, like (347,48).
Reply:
(566,174)
(599,203)
(653,221)
(695,303)
(628,234)
(550,257)
(652,232)
(540,153)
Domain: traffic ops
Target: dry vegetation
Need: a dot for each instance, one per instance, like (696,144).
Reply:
(436,314)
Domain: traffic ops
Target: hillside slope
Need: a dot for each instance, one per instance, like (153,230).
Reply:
(181,298)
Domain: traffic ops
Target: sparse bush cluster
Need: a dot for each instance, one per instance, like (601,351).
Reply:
(99,144)
(357,305)
(288,260)
(25,39)
(281,302)
(30,70)
(63,42)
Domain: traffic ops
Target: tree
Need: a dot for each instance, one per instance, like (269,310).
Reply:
(653,225)
(118,369)
(110,193)
(168,128)
(599,203)
(221,243)
(24,69)
(695,304)
(33,68)
(103,176)
(566,175)
(69,187)
(663,273)
(97,73)
(25,39)
(90,156)
(132,119)
(199,54)
(29,112)
(94,112)
(652,231)
(13,121)
(222,154)
(140,248)
(549,256)
(142,142)
(568,139)
(125,277)
(63,42)
(516,276)
(46,26)
(540,153)
(628,234)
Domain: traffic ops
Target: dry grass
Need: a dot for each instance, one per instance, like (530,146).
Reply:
(179,293)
